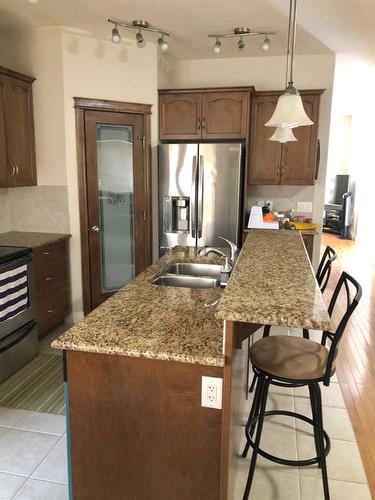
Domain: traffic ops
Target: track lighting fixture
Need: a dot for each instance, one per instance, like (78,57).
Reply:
(217,47)
(240,33)
(140,26)
(116,37)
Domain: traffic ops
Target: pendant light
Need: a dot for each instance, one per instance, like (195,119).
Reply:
(283,134)
(289,112)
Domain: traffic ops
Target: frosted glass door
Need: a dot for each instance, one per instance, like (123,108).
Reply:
(116,207)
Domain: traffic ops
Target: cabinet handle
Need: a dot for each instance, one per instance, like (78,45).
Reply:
(13,169)
(278,170)
(16,170)
(203,122)
(50,311)
(49,278)
(47,253)
(283,171)
(199,123)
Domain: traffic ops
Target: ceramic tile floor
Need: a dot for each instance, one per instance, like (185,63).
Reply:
(291,438)
(33,453)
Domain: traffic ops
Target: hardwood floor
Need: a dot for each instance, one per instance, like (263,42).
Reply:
(356,359)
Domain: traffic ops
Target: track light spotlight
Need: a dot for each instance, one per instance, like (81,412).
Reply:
(116,37)
(140,40)
(241,43)
(266,44)
(217,47)
(163,44)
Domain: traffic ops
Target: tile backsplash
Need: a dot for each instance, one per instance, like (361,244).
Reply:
(5,219)
(283,197)
(35,208)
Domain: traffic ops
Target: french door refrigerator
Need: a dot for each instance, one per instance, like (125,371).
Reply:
(200,192)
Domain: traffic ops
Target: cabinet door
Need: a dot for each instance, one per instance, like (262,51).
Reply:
(265,155)
(299,158)
(20,133)
(224,115)
(180,116)
(3,144)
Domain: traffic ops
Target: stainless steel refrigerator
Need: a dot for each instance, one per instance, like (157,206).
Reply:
(200,192)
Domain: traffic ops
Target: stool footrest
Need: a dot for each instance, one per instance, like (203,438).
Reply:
(279,460)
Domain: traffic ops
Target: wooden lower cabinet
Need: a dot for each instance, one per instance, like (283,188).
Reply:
(138,430)
(51,272)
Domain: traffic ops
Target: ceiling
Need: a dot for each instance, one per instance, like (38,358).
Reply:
(189,22)
(345,26)
(342,26)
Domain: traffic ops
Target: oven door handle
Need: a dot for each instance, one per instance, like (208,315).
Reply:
(11,341)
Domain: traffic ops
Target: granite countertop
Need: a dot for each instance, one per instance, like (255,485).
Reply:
(30,239)
(158,322)
(273,283)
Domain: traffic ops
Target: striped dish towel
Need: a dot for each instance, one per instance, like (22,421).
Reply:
(14,296)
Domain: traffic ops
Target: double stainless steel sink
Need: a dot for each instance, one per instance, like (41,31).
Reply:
(190,275)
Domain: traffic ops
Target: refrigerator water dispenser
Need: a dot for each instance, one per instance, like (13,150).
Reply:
(176,214)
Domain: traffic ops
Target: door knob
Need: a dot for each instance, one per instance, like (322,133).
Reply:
(94,229)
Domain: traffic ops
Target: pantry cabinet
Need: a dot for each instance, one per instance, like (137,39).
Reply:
(292,163)
(17,143)
(207,114)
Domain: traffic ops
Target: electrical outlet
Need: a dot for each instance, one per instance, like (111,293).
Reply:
(212,392)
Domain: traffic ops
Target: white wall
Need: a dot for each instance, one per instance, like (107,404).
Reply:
(268,73)
(69,64)
(37,52)
(354,100)
(98,69)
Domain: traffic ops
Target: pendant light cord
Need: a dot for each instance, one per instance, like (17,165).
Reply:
(288,45)
(293,39)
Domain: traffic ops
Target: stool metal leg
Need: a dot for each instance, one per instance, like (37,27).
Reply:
(313,402)
(248,369)
(253,412)
(253,382)
(321,454)
(306,334)
(263,393)
(266,330)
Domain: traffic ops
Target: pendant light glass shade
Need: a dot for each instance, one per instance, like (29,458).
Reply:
(289,111)
(283,135)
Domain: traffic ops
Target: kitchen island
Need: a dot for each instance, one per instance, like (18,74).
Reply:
(134,368)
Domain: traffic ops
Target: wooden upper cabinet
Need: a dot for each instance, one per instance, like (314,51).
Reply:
(17,143)
(292,163)
(203,114)
(3,144)
(180,116)
(265,155)
(224,115)
(21,144)
(299,158)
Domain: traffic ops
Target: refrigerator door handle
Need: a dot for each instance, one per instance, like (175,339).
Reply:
(200,195)
(193,203)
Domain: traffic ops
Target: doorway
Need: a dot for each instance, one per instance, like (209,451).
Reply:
(113,142)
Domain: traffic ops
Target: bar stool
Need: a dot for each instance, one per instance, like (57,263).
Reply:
(322,277)
(296,362)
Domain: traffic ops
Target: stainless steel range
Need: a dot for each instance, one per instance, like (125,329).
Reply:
(18,327)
